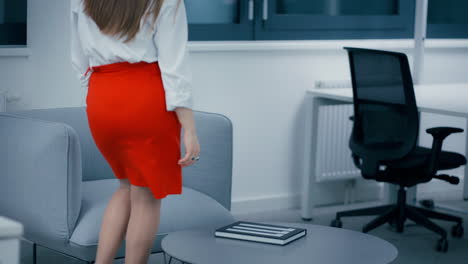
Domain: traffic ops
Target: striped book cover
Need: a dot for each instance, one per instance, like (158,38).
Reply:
(260,232)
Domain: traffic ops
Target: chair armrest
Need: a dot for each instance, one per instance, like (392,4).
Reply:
(439,134)
(443,132)
(40,183)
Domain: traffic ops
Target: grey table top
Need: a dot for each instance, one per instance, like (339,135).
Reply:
(322,244)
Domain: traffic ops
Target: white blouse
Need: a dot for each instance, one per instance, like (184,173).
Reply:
(167,44)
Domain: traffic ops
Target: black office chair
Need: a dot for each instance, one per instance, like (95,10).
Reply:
(384,138)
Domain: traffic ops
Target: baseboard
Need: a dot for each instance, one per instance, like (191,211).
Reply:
(265,203)
(365,192)
(331,194)
(441,195)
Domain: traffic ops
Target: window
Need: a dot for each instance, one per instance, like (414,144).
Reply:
(13,22)
(321,19)
(218,20)
(337,8)
(335,19)
(447,19)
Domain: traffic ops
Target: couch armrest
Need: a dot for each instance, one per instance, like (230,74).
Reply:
(212,174)
(40,176)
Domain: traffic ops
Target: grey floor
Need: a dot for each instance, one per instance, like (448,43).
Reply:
(415,245)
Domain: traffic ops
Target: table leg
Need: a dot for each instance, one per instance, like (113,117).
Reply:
(310,149)
(310,124)
(390,194)
(411,196)
(465,185)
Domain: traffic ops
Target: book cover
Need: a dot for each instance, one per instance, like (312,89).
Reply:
(260,232)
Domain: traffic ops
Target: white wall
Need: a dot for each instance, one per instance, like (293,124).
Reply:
(261,91)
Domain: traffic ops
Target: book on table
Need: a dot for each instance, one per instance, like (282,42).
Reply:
(260,232)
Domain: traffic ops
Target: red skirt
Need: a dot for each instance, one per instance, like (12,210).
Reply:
(131,127)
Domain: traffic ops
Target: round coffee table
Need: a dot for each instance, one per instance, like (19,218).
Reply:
(322,244)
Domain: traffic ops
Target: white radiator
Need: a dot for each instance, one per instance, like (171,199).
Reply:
(334,160)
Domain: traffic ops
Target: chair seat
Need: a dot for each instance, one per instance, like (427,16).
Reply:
(418,158)
(191,209)
(410,170)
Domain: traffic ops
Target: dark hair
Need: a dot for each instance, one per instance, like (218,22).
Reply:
(122,17)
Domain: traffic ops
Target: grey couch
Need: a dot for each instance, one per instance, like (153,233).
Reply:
(54,180)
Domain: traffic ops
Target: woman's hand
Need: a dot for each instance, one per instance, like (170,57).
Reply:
(192,148)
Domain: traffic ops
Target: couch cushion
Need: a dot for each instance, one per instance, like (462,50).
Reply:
(191,209)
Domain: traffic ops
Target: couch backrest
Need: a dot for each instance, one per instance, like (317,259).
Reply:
(212,174)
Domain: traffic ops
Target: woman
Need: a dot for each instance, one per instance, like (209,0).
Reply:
(132,57)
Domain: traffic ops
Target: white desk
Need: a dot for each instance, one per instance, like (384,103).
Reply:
(447,99)
(10,234)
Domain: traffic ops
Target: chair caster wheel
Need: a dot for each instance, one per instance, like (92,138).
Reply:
(442,245)
(336,223)
(457,231)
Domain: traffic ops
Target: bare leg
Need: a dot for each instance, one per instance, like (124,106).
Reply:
(114,224)
(142,226)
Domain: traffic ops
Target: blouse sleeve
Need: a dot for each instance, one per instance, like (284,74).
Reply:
(171,39)
(79,60)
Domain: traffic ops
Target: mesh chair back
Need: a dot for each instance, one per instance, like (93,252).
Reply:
(386,119)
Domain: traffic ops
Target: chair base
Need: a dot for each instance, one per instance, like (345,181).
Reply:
(397,214)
